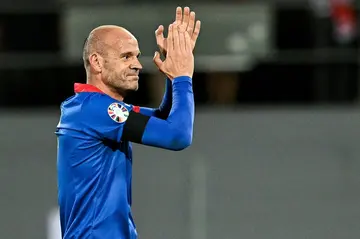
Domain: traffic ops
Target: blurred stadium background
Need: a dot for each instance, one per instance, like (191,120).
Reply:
(276,150)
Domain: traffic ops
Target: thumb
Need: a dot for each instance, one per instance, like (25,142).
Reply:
(159,33)
(158,62)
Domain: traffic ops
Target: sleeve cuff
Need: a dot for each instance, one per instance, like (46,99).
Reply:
(181,79)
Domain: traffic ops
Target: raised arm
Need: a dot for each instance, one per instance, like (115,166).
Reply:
(176,131)
(186,19)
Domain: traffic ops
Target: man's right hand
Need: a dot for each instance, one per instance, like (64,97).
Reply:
(179,59)
(185,19)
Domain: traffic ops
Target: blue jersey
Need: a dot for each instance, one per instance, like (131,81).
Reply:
(94,158)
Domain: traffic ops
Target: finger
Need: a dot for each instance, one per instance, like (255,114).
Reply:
(157,60)
(176,38)
(196,32)
(169,40)
(160,39)
(159,34)
(178,16)
(182,42)
(190,27)
(186,17)
(188,42)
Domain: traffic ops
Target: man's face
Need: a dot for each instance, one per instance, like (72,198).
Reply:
(121,65)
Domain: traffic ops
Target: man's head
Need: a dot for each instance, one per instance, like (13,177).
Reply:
(111,56)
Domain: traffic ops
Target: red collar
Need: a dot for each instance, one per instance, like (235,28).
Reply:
(78,87)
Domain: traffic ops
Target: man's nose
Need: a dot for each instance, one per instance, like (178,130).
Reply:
(137,65)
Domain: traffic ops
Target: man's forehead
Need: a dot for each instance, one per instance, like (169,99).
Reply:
(127,45)
(127,42)
(119,36)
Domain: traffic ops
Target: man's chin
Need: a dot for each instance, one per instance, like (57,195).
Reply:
(132,89)
(135,88)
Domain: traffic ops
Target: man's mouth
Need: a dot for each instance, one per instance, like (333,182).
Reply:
(134,76)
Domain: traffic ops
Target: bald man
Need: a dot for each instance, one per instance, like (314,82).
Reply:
(96,127)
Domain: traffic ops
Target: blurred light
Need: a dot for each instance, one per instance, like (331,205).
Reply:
(238,43)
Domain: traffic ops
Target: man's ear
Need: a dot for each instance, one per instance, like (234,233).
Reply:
(96,62)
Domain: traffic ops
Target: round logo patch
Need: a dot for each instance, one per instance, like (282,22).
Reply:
(118,112)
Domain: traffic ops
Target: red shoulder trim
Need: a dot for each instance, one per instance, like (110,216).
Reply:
(78,87)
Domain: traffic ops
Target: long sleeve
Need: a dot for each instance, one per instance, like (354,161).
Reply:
(177,130)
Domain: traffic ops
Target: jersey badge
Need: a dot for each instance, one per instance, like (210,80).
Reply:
(118,112)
